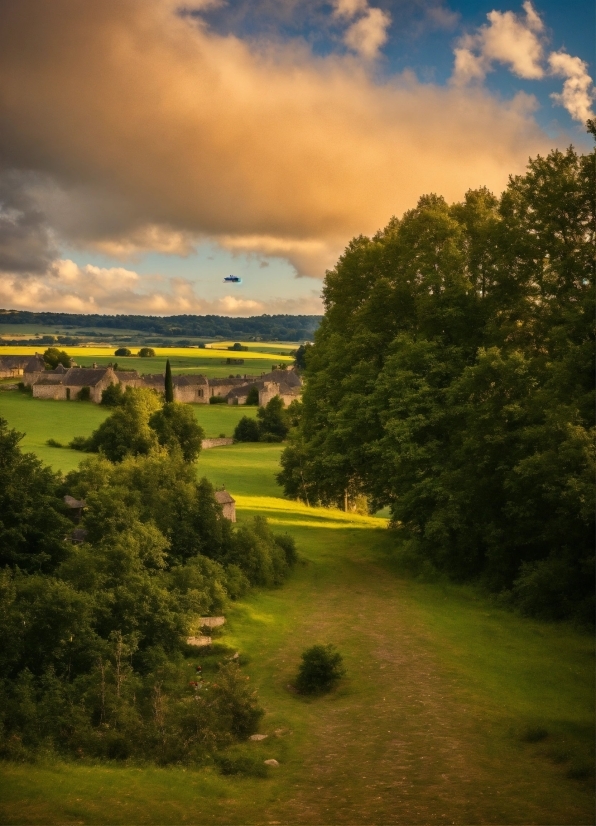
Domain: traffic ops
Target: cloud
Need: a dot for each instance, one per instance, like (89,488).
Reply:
(578,89)
(508,39)
(369,33)
(26,242)
(144,129)
(68,287)
(349,8)
(520,44)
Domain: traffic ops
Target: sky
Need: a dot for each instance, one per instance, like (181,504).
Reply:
(150,148)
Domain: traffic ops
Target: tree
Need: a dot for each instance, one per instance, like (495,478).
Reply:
(253,395)
(169,388)
(123,351)
(53,357)
(32,523)
(272,422)
(146,352)
(113,396)
(247,430)
(300,356)
(452,380)
(127,430)
(176,426)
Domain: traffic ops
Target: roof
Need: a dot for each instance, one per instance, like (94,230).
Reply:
(34,364)
(127,375)
(288,377)
(84,376)
(243,390)
(232,381)
(14,362)
(224,498)
(186,381)
(71,502)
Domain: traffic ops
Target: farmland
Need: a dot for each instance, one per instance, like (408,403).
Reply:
(453,710)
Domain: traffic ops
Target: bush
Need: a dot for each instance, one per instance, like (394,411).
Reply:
(217,400)
(123,351)
(253,395)
(79,443)
(113,396)
(53,443)
(320,670)
(146,352)
(288,546)
(25,388)
(247,430)
(84,394)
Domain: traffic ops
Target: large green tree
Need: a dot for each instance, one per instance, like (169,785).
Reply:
(452,379)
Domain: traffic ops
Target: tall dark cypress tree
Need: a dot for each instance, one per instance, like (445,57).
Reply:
(169,383)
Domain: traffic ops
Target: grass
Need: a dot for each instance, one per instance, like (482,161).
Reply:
(42,419)
(209,362)
(430,724)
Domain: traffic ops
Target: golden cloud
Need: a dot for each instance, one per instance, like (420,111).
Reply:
(156,132)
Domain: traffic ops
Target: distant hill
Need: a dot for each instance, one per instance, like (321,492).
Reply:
(267,327)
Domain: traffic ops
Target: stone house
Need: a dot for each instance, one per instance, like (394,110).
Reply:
(62,384)
(270,389)
(191,389)
(22,367)
(228,504)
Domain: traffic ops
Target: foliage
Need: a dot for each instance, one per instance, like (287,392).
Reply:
(113,396)
(253,395)
(261,328)
(127,430)
(237,346)
(146,352)
(217,400)
(272,422)
(95,633)
(320,670)
(452,380)
(53,357)
(301,355)
(176,427)
(123,351)
(247,430)
(84,394)
(169,385)
(32,521)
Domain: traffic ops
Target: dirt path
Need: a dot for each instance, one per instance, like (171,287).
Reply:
(400,742)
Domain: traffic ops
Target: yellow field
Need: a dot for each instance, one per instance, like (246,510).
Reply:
(160,352)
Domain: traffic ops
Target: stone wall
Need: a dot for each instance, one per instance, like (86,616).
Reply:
(207,443)
(192,394)
(50,391)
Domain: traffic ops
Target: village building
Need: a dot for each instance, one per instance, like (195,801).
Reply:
(191,389)
(20,367)
(228,504)
(67,384)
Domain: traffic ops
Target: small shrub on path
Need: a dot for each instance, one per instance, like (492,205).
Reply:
(320,670)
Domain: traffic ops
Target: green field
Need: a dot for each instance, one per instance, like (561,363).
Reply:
(452,710)
(210,363)
(42,419)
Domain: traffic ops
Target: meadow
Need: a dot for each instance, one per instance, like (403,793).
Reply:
(209,362)
(453,710)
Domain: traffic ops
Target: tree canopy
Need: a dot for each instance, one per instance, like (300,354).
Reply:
(452,380)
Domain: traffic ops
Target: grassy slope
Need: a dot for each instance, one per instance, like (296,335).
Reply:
(427,727)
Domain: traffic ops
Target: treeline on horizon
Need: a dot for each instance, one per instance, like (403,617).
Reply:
(452,380)
(280,327)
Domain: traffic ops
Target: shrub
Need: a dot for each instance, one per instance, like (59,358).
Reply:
(146,352)
(247,430)
(84,394)
(113,396)
(320,670)
(79,443)
(253,395)
(123,351)
(217,400)
(25,388)
(53,443)
(288,546)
